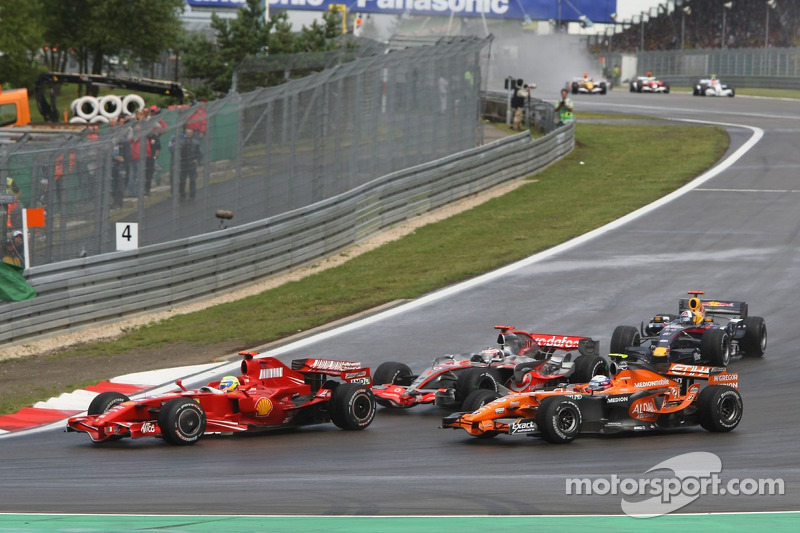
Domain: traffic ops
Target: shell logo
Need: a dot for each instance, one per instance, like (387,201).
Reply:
(263,406)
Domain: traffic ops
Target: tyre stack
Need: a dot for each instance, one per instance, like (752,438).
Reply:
(102,110)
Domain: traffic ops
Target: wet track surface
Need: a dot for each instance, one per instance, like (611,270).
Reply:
(736,236)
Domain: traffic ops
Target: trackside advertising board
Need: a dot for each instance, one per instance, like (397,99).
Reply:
(564,10)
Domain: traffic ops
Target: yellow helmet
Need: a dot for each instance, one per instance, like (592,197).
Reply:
(229,383)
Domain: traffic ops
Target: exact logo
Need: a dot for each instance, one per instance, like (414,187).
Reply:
(523,425)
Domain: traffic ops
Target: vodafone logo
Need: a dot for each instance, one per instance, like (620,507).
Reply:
(557,341)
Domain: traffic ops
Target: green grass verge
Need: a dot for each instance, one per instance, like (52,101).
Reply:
(752,91)
(532,218)
(581,115)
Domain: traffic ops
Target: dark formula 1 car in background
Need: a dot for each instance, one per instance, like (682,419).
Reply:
(648,84)
(524,361)
(695,334)
(712,87)
(267,395)
(633,400)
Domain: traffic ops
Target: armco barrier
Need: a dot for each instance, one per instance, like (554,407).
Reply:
(107,287)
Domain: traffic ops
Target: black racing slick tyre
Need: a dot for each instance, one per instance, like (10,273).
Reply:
(715,347)
(474,379)
(182,421)
(719,408)
(352,406)
(623,337)
(754,342)
(105,401)
(391,373)
(587,367)
(559,419)
(476,400)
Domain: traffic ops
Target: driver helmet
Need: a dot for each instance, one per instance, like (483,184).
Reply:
(493,354)
(600,382)
(687,317)
(229,384)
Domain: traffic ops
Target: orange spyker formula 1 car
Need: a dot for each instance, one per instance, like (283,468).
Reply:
(634,399)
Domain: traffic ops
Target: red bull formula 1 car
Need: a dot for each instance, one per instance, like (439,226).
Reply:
(695,334)
(524,361)
(633,400)
(267,395)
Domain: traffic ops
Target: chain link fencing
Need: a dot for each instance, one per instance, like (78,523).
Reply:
(249,156)
(775,68)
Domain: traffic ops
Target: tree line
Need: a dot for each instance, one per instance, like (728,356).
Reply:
(98,35)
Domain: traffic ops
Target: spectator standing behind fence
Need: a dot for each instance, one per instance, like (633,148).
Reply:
(190,155)
(565,108)
(153,151)
(135,167)
(119,171)
(173,142)
(13,209)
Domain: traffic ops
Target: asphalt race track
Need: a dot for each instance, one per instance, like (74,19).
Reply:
(736,236)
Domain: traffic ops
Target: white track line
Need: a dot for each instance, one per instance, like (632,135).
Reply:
(577,241)
(212,370)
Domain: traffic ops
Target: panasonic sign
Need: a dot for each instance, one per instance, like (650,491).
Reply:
(487,7)
(594,10)
(496,7)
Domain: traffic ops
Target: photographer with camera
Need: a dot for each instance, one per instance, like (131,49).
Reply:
(519,101)
(565,108)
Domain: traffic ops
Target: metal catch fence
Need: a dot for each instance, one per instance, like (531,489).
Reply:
(249,156)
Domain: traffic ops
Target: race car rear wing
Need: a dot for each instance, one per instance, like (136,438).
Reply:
(268,367)
(717,307)
(584,345)
(715,375)
(547,342)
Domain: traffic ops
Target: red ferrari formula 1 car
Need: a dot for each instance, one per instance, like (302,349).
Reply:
(267,395)
(524,361)
(634,399)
